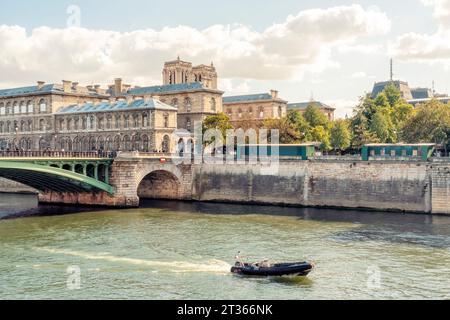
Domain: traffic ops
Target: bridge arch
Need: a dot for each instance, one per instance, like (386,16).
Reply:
(159,184)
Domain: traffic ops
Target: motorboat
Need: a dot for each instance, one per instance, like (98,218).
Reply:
(266,269)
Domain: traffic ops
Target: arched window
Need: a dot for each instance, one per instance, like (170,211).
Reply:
(166,120)
(91,123)
(30,107)
(116,143)
(108,145)
(229,112)
(42,106)
(1,127)
(61,124)
(2,109)
(188,124)
(145,143)
(108,122)
(175,102)
(145,122)
(117,123)
(250,111)
(8,126)
(261,112)
(187,105)
(84,123)
(22,126)
(126,143)
(30,126)
(213,105)
(101,123)
(76,124)
(69,124)
(16,108)
(23,107)
(126,123)
(240,113)
(8,108)
(165,144)
(41,125)
(136,121)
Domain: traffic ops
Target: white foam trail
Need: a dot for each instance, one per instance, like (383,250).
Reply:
(214,266)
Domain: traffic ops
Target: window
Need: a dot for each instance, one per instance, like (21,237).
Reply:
(117,124)
(76,123)
(84,123)
(187,105)
(2,109)
(42,106)
(175,103)
(23,107)
(91,123)
(145,122)
(41,125)
(69,124)
(8,108)
(126,123)
(166,121)
(250,111)
(108,122)
(213,105)
(261,112)
(240,113)
(136,121)
(30,107)
(16,108)
(280,111)
(188,124)
(229,112)
(1,126)
(101,123)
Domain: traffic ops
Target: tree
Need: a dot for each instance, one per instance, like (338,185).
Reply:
(320,134)
(315,117)
(340,135)
(288,133)
(218,121)
(382,127)
(301,125)
(429,123)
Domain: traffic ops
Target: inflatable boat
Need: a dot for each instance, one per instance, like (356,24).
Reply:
(265,269)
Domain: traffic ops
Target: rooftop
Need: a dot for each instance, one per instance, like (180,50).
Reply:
(139,104)
(45,89)
(304,105)
(249,97)
(166,88)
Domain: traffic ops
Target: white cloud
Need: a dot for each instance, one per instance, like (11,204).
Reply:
(301,43)
(431,48)
(343,107)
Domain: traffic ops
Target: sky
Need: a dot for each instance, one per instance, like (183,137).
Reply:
(332,51)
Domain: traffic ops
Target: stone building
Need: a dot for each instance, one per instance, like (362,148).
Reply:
(70,117)
(403,86)
(301,107)
(254,107)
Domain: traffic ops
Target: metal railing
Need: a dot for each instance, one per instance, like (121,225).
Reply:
(56,154)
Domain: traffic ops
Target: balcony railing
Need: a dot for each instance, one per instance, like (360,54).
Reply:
(56,154)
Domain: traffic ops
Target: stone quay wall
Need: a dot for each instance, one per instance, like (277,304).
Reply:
(387,186)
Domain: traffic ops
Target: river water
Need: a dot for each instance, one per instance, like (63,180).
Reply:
(176,250)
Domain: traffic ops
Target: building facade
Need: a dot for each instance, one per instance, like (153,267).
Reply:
(254,108)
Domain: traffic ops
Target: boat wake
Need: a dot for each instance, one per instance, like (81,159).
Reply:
(212,266)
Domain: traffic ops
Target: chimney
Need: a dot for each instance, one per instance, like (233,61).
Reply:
(97,88)
(74,86)
(274,94)
(67,86)
(117,86)
(40,84)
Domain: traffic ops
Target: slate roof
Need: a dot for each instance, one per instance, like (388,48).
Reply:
(246,98)
(140,104)
(46,89)
(304,105)
(166,88)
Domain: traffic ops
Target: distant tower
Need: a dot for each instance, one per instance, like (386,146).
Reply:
(392,71)
(176,72)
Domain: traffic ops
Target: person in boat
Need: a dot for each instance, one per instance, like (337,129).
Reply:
(239,259)
(264,264)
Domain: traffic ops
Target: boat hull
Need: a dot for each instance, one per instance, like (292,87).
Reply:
(286,269)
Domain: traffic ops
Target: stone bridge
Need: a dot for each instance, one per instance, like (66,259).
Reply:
(376,185)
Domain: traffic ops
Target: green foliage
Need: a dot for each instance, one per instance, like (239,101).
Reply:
(381,119)
(430,122)
(218,121)
(315,117)
(340,135)
(321,134)
(288,133)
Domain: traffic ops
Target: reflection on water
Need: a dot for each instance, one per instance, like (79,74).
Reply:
(176,250)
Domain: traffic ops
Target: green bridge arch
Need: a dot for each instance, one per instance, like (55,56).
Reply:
(49,175)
